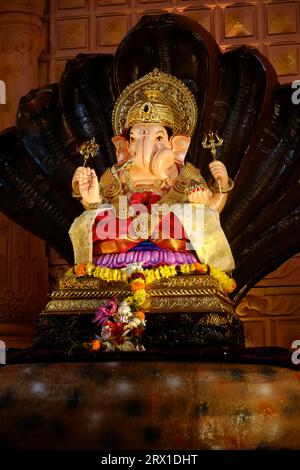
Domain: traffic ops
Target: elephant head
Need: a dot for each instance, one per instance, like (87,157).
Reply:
(153,151)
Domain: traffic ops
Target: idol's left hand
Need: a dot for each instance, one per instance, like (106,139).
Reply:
(219,172)
(199,195)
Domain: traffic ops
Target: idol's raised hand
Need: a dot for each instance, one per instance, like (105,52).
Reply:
(219,172)
(88,185)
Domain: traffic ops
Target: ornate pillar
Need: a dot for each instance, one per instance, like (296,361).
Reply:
(23,262)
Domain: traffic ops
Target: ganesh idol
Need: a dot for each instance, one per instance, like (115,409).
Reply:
(151,208)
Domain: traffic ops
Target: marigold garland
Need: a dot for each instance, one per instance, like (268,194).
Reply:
(148,276)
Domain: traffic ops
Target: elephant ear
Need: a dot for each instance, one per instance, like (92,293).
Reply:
(122,148)
(180,145)
(237,94)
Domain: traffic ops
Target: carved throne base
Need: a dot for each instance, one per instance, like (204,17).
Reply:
(181,311)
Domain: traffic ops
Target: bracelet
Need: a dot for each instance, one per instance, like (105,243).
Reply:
(215,189)
(89,206)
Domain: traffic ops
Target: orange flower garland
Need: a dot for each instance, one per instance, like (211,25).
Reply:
(147,276)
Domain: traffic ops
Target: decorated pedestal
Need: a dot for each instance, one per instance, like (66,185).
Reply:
(186,310)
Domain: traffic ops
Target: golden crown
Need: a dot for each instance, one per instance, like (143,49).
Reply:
(156,98)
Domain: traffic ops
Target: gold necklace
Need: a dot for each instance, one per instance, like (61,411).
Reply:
(133,188)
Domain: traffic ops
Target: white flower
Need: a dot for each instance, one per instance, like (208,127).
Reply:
(132,267)
(124,312)
(124,308)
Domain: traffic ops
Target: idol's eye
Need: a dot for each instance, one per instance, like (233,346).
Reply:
(132,139)
(159,138)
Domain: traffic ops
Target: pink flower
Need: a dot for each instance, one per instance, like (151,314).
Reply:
(105,311)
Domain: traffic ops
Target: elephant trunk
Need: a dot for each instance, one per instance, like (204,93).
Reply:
(162,163)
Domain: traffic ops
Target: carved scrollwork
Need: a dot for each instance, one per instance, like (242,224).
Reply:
(88,294)
(69,306)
